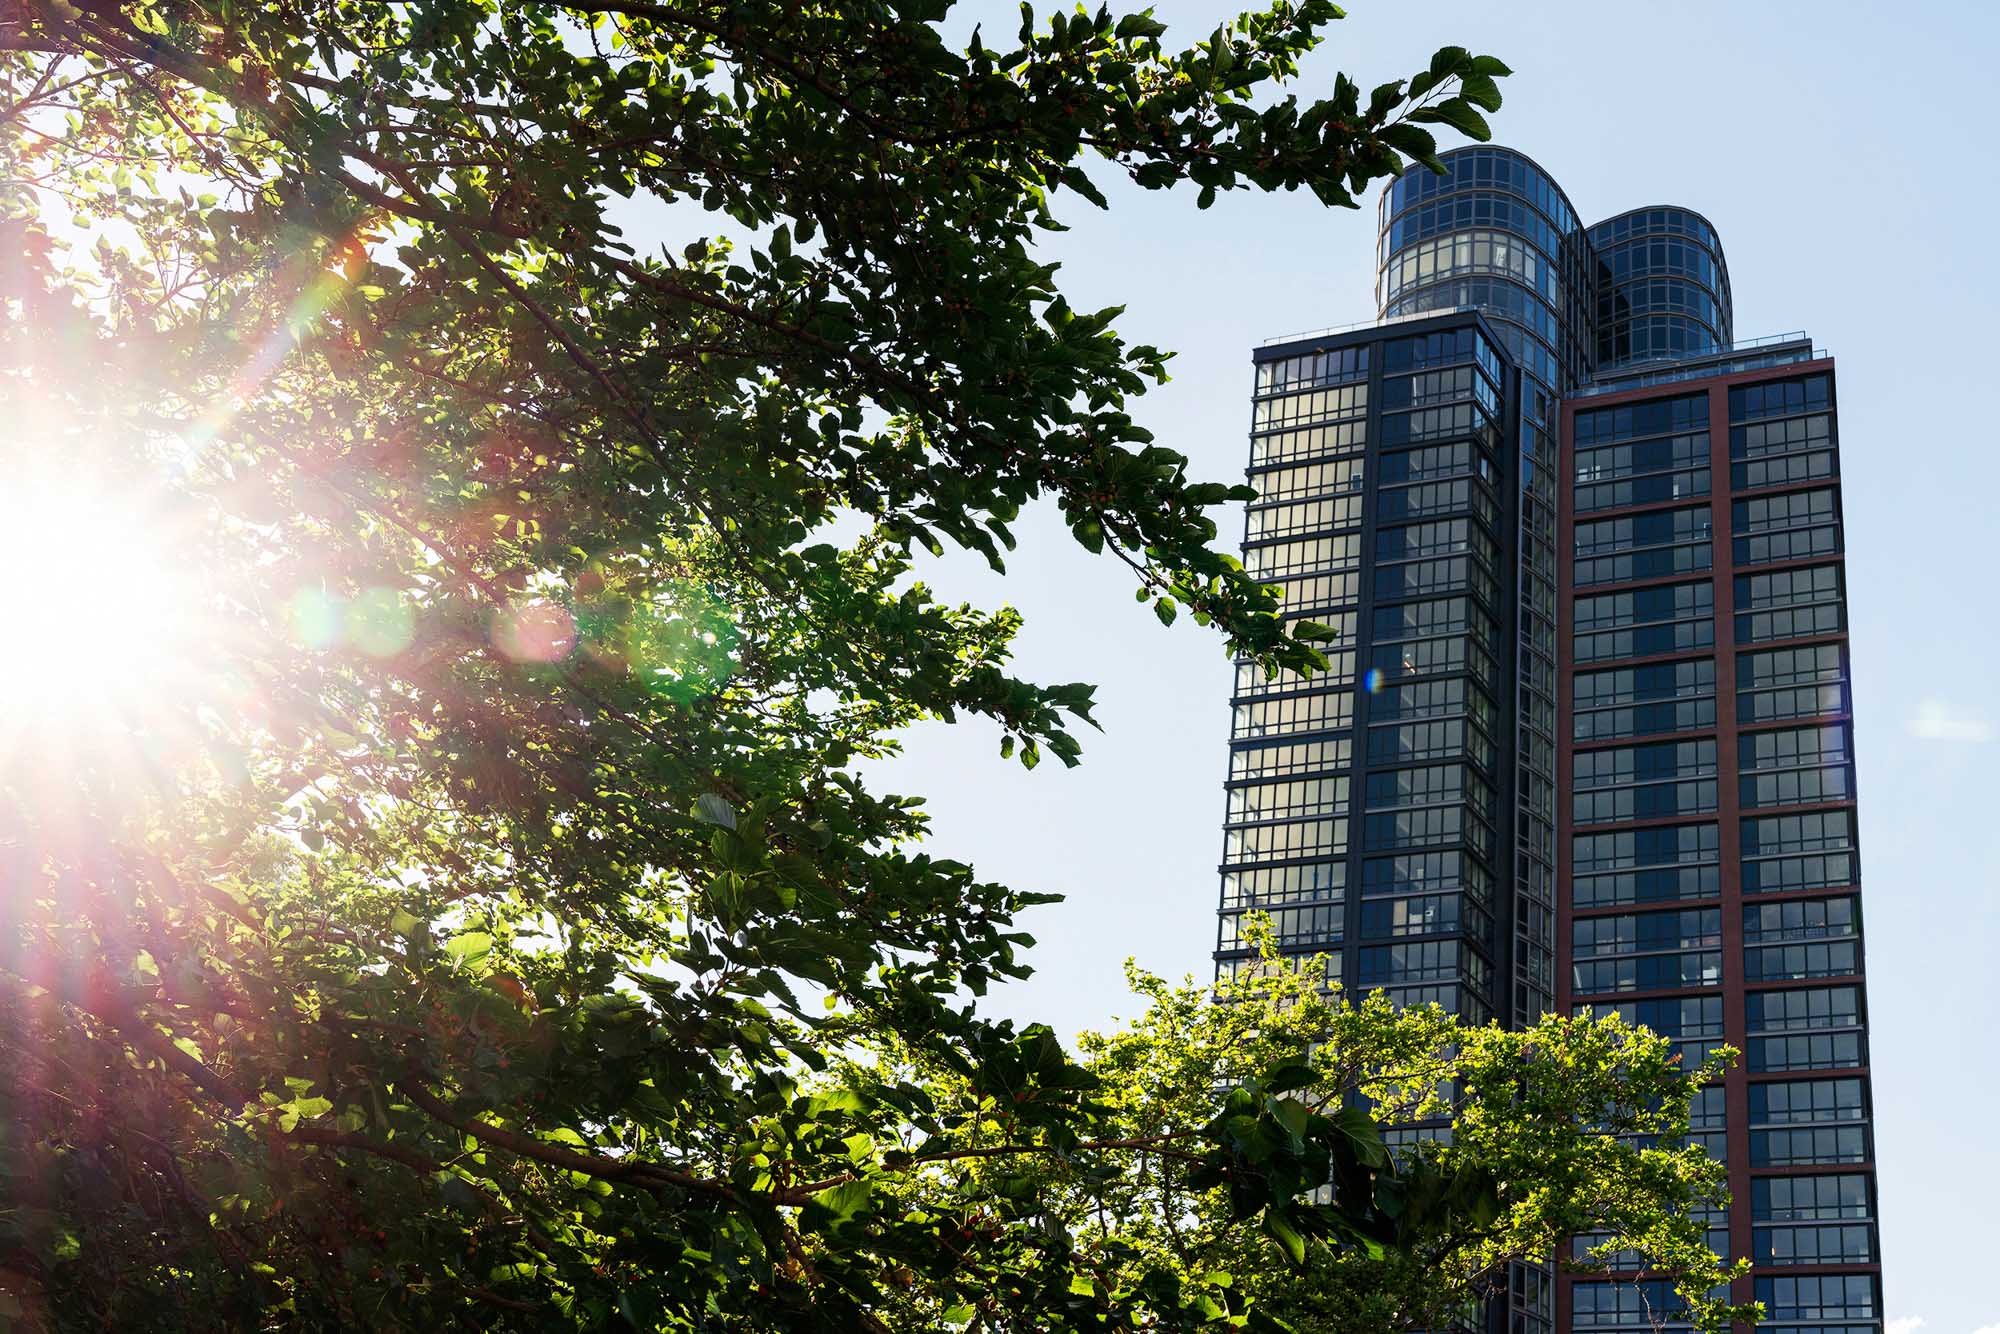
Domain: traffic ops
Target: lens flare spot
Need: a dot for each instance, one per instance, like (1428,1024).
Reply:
(1371,680)
(379,623)
(315,618)
(535,631)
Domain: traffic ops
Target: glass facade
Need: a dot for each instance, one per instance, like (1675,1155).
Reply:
(1363,810)
(1710,836)
(1662,287)
(1585,737)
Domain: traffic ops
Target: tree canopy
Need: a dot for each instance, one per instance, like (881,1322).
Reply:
(439,887)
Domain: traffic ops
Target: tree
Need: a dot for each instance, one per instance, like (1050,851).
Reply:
(1569,1128)
(440,916)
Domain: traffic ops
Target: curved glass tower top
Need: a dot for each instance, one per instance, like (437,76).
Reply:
(1497,233)
(1662,286)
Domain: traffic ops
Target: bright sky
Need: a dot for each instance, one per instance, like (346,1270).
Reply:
(1845,154)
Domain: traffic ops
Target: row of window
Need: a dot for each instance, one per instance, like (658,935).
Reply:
(1643,546)
(1409,502)
(1272,886)
(1800,1010)
(1305,516)
(1647,221)
(1288,799)
(1658,257)
(1313,405)
(1306,480)
(1646,1306)
(1781,853)
(1474,251)
(1289,757)
(1253,680)
(1780,398)
(1773,685)
(1632,421)
(1793,525)
(1466,213)
(1484,169)
(1662,296)
(1646,337)
(1308,442)
(1311,369)
(1331,552)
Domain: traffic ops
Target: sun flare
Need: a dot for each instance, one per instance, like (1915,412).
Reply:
(98,616)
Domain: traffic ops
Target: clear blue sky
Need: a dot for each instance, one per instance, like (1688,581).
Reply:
(1846,155)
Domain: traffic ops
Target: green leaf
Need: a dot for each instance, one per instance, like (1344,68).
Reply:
(837,1206)
(470,947)
(713,809)
(1279,1228)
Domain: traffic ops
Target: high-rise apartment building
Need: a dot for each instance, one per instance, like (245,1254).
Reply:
(1586,740)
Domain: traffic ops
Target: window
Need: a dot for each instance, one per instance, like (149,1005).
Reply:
(1425,873)
(1426,620)
(1314,592)
(1269,886)
(1643,782)
(1319,924)
(1295,713)
(1312,479)
(1411,428)
(1807,1102)
(1287,799)
(1692,1023)
(1333,552)
(1813,1199)
(1850,1243)
(1448,739)
(1647,951)
(1423,828)
(1420,465)
(1253,680)
(1781,452)
(1644,866)
(1643,546)
(1431,786)
(1292,757)
(1311,406)
(1410,502)
(1807,1123)
(1641,1306)
(1780,398)
(1796,766)
(1431,914)
(1420,961)
(1634,701)
(1813,850)
(1671,468)
(1427,578)
(1427,699)
(1795,525)
(1791,683)
(1279,842)
(1645,621)
(1818,1297)
(1283,374)
(1309,442)
(1441,386)
(1810,1007)
(1303,516)
(1815,1028)
(1660,416)
(1790,604)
